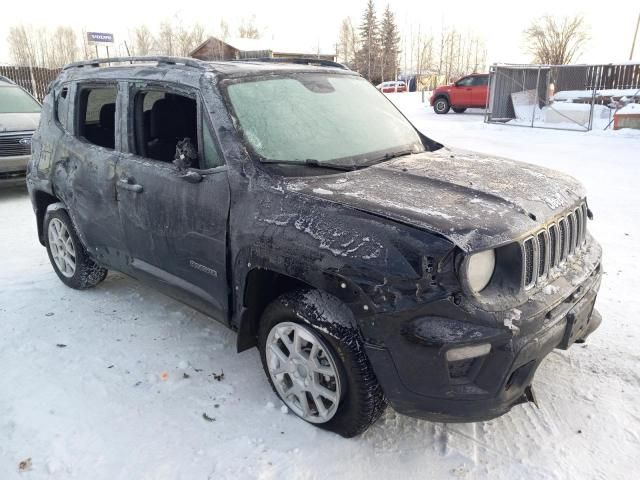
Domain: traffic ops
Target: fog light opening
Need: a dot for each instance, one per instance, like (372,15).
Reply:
(471,351)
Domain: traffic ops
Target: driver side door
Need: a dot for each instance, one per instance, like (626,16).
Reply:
(175,224)
(461,92)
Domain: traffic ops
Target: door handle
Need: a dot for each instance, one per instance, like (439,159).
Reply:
(132,187)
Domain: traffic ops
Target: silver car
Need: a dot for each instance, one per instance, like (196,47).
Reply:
(19,117)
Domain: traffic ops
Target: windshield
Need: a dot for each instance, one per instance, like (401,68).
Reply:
(15,100)
(328,119)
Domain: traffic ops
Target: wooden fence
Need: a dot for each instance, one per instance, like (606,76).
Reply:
(35,80)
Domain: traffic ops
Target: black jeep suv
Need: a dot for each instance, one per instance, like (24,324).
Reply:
(294,203)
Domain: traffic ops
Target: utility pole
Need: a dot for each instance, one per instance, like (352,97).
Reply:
(635,36)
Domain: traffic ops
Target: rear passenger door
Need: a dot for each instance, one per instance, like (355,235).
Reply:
(174,220)
(85,159)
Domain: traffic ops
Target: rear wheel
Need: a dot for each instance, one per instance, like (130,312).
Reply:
(441,106)
(458,110)
(323,376)
(68,256)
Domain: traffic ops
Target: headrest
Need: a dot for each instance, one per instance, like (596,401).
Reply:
(108,116)
(166,119)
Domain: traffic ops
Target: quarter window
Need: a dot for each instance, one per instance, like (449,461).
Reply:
(97,115)
(62,108)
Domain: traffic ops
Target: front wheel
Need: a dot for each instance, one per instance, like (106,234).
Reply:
(441,106)
(68,256)
(323,376)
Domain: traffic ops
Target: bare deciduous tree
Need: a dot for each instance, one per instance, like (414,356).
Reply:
(347,43)
(142,41)
(248,28)
(556,41)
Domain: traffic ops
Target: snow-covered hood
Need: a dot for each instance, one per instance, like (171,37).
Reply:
(18,122)
(476,201)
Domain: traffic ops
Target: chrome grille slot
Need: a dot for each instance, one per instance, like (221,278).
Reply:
(571,223)
(551,246)
(543,261)
(562,223)
(528,263)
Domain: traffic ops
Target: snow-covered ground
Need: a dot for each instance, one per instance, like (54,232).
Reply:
(114,383)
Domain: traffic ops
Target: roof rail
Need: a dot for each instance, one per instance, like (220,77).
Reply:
(162,60)
(297,60)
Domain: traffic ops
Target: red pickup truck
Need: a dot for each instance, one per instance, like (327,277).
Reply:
(468,92)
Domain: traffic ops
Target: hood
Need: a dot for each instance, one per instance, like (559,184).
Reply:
(18,122)
(475,201)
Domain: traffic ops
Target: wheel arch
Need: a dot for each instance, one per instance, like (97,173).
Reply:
(263,285)
(42,201)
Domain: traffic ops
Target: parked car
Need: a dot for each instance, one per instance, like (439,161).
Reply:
(19,117)
(392,87)
(468,92)
(368,263)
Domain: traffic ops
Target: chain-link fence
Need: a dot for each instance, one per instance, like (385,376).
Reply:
(567,97)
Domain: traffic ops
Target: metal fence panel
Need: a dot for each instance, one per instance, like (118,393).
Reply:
(568,97)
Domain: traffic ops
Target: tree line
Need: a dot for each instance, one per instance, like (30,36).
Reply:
(55,47)
(376,50)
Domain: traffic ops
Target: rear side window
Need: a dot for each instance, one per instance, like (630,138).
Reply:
(96,115)
(62,107)
(480,81)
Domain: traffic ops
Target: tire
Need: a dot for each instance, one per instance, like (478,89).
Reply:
(459,110)
(67,255)
(441,106)
(319,319)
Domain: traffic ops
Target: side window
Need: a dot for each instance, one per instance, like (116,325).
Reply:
(96,115)
(480,81)
(62,107)
(162,119)
(465,82)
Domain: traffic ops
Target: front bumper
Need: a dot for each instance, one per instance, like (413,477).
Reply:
(13,169)
(419,381)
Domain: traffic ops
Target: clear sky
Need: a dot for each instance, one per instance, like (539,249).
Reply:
(310,24)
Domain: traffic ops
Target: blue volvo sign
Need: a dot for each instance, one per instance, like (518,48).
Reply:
(98,37)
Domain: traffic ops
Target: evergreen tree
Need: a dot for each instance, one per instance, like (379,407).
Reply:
(389,46)
(368,55)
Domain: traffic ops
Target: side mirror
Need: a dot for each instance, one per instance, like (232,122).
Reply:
(191,176)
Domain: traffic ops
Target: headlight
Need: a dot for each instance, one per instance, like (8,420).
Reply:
(479,268)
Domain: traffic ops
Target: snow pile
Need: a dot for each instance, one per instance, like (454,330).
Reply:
(630,109)
(98,408)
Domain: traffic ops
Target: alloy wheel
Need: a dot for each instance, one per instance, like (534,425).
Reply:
(303,371)
(62,248)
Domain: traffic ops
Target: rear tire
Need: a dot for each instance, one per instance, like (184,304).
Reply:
(68,256)
(458,110)
(320,319)
(441,106)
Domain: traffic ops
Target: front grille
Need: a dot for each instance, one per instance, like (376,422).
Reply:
(551,246)
(10,145)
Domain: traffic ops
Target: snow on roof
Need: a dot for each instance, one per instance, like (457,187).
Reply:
(608,92)
(631,109)
(273,45)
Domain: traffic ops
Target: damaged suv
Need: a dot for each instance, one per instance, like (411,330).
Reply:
(294,203)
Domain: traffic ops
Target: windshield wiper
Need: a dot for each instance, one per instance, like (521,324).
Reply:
(312,162)
(388,156)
